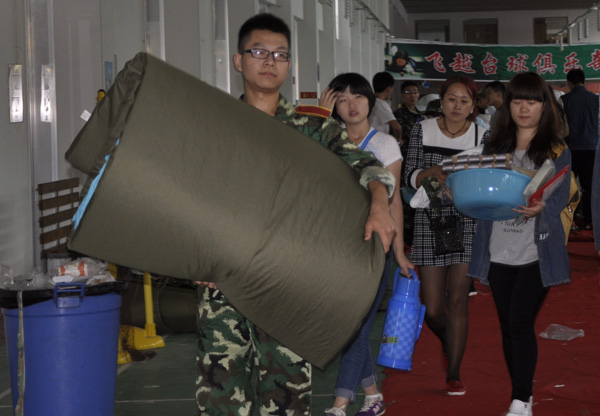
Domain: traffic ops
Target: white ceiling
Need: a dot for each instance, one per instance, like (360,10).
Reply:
(449,6)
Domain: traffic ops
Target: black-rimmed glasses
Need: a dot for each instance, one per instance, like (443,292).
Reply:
(260,53)
(409,92)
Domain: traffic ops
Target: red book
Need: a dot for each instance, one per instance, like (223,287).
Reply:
(544,191)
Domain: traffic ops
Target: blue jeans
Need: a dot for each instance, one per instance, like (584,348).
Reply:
(357,366)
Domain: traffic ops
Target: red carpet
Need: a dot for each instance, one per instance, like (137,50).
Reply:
(567,378)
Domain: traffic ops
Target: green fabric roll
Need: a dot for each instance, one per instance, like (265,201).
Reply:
(202,186)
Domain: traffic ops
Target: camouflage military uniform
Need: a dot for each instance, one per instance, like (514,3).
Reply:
(316,123)
(407,120)
(241,369)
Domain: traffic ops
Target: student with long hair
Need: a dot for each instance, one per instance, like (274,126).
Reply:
(520,260)
(444,282)
(352,99)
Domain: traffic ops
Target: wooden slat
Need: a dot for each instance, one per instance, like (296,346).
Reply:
(58,201)
(57,217)
(58,249)
(54,235)
(62,198)
(56,186)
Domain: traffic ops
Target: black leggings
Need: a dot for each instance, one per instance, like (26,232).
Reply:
(518,293)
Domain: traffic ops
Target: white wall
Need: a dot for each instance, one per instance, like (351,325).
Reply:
(78,65)
(16,207)
(306,65)
(77,38)
(122,30)
(67,36)
(182,27)
(514,28)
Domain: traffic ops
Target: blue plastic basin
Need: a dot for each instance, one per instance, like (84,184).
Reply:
(407,194)
(488,194)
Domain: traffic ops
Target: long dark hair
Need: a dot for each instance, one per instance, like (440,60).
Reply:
(358,85)
(551,128)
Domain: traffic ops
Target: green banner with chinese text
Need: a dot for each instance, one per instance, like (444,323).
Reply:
(407,59)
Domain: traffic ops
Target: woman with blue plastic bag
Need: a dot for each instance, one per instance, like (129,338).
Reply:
(352,99)
(521,258)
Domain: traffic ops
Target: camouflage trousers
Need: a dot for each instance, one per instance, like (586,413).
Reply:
(241,369)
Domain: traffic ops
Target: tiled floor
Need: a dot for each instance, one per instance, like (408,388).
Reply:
(164,385)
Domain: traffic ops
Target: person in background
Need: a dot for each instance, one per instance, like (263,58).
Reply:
(433,109)
(494,92)
(582,109)
(596,199)
(481,104)
(444,282)
(382,119)
(521,259)
(483,117)
(352,99)
(241,368)
(100,95)
(407,113)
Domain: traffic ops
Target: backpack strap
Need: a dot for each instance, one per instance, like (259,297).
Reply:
(368,139)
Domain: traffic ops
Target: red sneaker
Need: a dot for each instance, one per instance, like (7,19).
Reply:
(455,388)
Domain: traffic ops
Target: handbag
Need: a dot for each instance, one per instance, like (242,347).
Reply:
(448,233)
(447,229)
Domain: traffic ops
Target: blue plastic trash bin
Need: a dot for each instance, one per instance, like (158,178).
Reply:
(70,344)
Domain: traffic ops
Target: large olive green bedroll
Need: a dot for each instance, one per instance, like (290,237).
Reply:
(189,182)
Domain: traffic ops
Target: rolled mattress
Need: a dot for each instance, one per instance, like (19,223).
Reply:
(186,181)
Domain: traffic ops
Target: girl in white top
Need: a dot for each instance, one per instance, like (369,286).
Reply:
(352,99)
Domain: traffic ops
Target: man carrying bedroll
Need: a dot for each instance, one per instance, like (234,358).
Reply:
(231,349)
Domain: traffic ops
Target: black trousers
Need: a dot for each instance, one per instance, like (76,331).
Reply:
(518,293)
(582,163)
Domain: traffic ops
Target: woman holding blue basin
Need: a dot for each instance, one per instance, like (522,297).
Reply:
(520,260)
(443,263)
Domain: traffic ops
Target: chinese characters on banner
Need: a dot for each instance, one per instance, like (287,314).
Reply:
(430,60)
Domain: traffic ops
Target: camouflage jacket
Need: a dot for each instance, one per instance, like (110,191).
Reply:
(316,123)
(407,120)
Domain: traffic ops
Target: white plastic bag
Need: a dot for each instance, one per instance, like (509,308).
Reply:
(561,333)
(6,278)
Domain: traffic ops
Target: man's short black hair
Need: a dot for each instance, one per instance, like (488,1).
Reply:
(576,76)
(381,81)
(263,21)
(496,86)
(407,84)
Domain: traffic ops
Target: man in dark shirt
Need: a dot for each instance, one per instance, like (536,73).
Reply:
(408,114)
(494,92)
(582,110)
(596,199)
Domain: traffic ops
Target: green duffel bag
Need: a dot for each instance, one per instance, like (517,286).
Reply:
(189,182)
